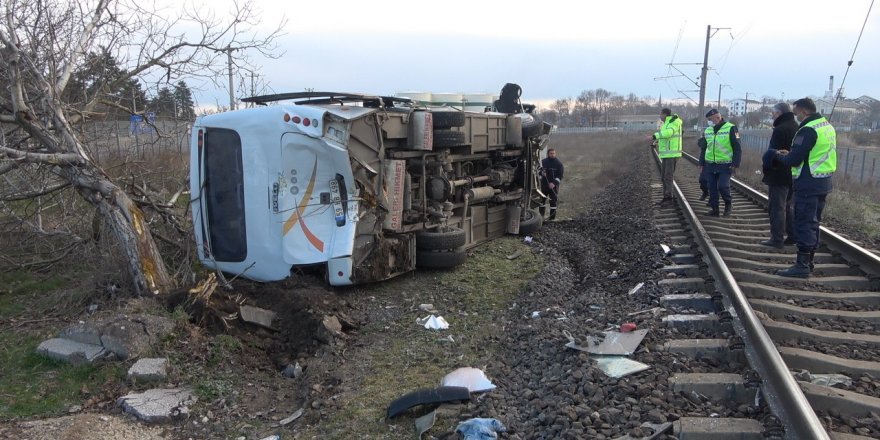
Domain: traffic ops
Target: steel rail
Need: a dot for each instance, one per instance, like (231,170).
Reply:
(782,392)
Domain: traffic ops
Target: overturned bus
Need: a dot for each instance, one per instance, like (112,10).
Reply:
(368,186)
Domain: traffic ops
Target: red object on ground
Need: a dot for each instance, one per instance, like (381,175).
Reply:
(627,327)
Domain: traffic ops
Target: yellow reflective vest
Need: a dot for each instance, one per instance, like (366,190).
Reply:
(823,156)
(669,137)
(718,146)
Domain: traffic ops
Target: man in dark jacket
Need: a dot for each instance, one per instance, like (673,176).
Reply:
(813,161)
(778,178)
(720,161)
(551,179)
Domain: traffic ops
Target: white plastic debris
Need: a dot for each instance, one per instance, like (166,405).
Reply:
(536,314)
(472,378)
(527,239)
(433,322)
(636,289)
(666,249)
(619,366)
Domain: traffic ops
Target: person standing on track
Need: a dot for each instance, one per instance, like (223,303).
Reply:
(813,161)
(551,178)
(668,141)
(720,160)
(778,178)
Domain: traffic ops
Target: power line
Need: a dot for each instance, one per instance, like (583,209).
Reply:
(849,64)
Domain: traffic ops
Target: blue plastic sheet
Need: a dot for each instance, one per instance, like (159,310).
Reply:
(480,429)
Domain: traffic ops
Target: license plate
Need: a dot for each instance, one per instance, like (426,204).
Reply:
(336,197)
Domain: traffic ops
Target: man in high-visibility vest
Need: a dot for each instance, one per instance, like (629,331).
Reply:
(813,160)
(668,141)
(720,160)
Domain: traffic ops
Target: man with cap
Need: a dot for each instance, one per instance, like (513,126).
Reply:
(668,140)
(720,160)
(551,178)
(813,160)
(778,177)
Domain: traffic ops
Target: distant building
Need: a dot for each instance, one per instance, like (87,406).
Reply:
(739,107)
(637,122)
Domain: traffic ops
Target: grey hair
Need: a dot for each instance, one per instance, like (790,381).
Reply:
(782,107)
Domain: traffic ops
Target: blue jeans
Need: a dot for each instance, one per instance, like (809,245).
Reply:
(807,216)
(718,179)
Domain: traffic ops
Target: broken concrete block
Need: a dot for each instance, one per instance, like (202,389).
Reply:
(85,332)
(330,328)
(158,405)
(70,351)
(133,336)
(258,316)
(149,370)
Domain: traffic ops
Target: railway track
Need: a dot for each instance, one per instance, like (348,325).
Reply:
(799,336)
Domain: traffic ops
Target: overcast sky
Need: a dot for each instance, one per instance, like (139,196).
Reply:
(556,49)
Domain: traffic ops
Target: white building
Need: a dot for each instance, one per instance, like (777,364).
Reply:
(739,107)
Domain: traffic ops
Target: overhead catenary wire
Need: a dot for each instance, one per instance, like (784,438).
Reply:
(850,62)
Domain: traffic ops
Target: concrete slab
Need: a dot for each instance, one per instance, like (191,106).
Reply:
(698,301)
(684,259)
(70,351)
(158,405)
(149,370)
(848,403)
(685,284)
(704,348)
(838,282)
(686,270)
(693,322)
(754,290)
(780,310)
(800,359)
(716,386)
(258,316)
(783,330)
(710,428)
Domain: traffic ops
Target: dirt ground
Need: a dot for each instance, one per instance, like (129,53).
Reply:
(507,307)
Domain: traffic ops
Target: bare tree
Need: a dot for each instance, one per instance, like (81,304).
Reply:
(42,44)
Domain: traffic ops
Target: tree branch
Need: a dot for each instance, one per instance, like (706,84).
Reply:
(43,158)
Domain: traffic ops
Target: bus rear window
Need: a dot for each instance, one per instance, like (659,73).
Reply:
(224,195)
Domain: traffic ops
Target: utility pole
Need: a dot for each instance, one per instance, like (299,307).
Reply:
(229,63)
(705,70)
(719,94)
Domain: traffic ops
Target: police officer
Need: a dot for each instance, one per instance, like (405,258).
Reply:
(813,160)
(668,141)
(720,160)
(551,178)
(778,178)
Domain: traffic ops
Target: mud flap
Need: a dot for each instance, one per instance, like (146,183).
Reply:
(387,257)
(427,396)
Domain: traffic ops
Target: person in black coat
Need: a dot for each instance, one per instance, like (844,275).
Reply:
(551,178)
(778,178)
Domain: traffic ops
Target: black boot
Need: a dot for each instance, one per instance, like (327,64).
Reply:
(800,269)
(727,207)
(812,266)
(703,196)
(713,212)
(552,214)
(541,210)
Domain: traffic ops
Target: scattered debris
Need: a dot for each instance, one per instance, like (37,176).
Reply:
(329,330)
(627,327)
(666,249)
(828,380)
(613,343)
(149,370)
(69,351)
(654,310)
(515,255)
(659,429)
(480,429)
(619,366)
(473,379)
(527,239)
(427,396)
(425,422)
(292,370)
(613,275)
(158,405)
(288,420)
(433,322)
(536,314)
(637,288)
(258,316)
(428,308)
